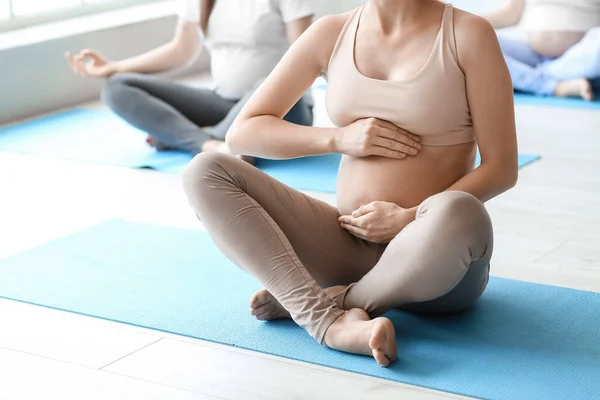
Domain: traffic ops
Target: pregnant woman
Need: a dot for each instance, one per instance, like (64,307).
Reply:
(561,53)
(245,39)
(413,87)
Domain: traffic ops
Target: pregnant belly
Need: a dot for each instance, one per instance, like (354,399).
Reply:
(405,182)
(553,44)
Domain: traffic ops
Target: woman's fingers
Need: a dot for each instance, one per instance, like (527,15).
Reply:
(77,63)
(394,145)
(365,209)
(346,219)
(358,232)
(350,220)
(399,137)
(71,61)
(386,152)
(397,129)
(81,63)
(87,53)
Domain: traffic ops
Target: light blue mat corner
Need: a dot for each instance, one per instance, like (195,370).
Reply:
(521,341)
(100,137)
(550,101)
(83,135)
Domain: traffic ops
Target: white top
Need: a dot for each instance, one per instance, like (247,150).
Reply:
(245,39)
(562,15)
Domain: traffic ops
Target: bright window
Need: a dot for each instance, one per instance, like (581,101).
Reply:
(4,9)
(28,7)
(16,14)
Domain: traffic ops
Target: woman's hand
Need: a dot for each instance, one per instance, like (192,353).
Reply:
(378,222)
(376,137)
(90,64)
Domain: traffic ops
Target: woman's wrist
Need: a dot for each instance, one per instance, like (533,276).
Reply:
(115,67)
(411,212)
(333,139)
(404,216)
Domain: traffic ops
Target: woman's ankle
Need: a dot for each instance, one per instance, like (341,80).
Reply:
(338,294)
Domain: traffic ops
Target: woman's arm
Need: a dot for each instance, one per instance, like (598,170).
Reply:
(294,29)
(508,16)
(490,95)
(259,129)
(181,49)
(185,45)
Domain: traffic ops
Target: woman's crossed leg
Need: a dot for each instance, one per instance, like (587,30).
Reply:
(294,245)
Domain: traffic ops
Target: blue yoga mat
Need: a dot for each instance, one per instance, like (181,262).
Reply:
(521,341)
(100,137)
(549,101)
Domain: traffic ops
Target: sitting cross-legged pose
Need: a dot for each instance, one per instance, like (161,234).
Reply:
(413,87)
(561,53)
(245,39)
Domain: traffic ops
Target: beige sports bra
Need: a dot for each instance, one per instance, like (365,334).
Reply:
(432,103)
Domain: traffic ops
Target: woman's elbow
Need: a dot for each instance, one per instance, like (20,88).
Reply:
(502,176)
(512,179)
(231,141)
(183,54)
(235,137)
(508,177)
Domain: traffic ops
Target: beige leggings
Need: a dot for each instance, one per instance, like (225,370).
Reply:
(294,245)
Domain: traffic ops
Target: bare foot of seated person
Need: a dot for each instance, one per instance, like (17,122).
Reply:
(354,332)
(157,145)
(209,145)
(575,88)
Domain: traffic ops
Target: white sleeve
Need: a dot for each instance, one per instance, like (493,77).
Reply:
(188,10)
(295,9)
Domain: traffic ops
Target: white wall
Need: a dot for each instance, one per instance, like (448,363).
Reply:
(325,7)
(35,78)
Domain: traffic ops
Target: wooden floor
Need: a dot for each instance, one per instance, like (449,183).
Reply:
(547,231)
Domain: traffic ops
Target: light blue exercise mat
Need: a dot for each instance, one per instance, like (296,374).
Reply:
(100,137)
(550,101)
(521,341)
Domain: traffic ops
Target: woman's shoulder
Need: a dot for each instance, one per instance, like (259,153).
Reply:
(468,23)
(330,26)
(323,34)
(473,35)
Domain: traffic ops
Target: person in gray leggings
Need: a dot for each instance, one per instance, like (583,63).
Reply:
(181,117)
(245,39)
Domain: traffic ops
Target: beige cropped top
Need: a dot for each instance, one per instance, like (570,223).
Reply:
(432,103)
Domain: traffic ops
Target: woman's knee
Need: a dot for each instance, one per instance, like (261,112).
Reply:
(204,172)
(462,214)
(453,203)
(114,92)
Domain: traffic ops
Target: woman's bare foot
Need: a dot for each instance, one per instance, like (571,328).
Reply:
(355,333)
(575,88)
(265,307)
(156,144)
